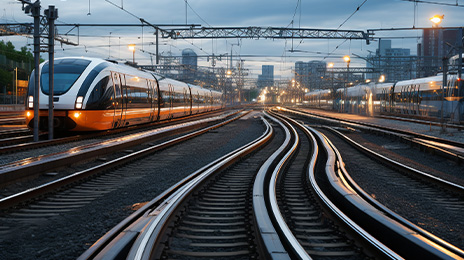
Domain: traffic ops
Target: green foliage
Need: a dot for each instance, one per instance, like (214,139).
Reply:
(6,77)
(8,49)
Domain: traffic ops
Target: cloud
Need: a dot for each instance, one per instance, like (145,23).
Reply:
(328,14)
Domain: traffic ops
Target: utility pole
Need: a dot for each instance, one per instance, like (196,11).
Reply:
(34,8)
(16,84)
(445,82)
(52,14)
(460,87)
(157,45)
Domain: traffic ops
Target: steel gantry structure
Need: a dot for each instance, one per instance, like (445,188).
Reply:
(262,32)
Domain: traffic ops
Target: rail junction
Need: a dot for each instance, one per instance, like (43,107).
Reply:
(285,183)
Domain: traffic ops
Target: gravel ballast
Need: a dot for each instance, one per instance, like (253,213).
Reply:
(69,234)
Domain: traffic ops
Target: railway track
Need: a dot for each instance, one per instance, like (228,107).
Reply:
(35,166)
(77,199)
(212,219)
(448,149)
(424,198)
(21,139)
(288,199)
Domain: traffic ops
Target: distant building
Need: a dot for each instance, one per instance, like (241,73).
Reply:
(436,43)
(394,63)
(310,74)
(189,61)
(266,79)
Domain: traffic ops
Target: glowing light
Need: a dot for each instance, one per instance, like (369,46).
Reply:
(437,19)
(31,102)
(346,58)
(330,65)
(77,114)
(79,102)
(382,78)
(131,47)
(28,114)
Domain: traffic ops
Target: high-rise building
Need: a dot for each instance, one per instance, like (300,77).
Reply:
(189,61)
(266,79)
(436,44)
(310,74)
(394,63)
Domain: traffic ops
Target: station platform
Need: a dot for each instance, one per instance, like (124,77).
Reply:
(431,128)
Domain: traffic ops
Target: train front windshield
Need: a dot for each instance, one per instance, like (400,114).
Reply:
(67,71)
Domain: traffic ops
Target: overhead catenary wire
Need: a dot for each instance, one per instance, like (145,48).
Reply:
(346,20)
(434,3)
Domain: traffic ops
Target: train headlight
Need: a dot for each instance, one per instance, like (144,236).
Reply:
(30,102)
(76,115)
(28,114)
(79,102)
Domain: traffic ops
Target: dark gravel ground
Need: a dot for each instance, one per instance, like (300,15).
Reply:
(438,213)
(69,234)
(48,153)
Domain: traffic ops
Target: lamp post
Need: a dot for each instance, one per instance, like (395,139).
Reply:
(16,84)
(347,59)
(382,78)
(132,49)
(332,87)
(436,20)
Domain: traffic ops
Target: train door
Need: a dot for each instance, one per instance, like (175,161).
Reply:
(125,98)
(118,101)
(169,100)
(189,99)
(154,97)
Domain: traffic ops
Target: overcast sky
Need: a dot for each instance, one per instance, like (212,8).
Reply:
(316,14)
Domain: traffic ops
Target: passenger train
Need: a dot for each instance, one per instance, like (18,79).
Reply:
(93,94)
(421,98)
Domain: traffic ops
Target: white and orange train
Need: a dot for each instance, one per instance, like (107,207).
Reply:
(94,94)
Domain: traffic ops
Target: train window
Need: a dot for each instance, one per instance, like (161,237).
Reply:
(101,96)
(66,72)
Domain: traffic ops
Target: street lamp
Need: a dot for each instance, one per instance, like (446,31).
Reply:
(437,19)
(382,78)
(16,84)
(132,49)
(347,59)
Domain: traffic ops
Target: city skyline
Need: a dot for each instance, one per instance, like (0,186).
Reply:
(282,54)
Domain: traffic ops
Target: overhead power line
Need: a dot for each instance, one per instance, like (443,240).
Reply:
(434,3)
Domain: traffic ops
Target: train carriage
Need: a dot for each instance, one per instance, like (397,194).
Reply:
(94,94)
(423,97)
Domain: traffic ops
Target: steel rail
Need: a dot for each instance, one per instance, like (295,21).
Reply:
(351,183)
(456,188)
(48,187)
(274,232)
(399,238)
(43,143)
(382,249)
(296,248)
(329,169)
(376,127)
(151,235)
(32,166)
(411,137)
(115,241)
